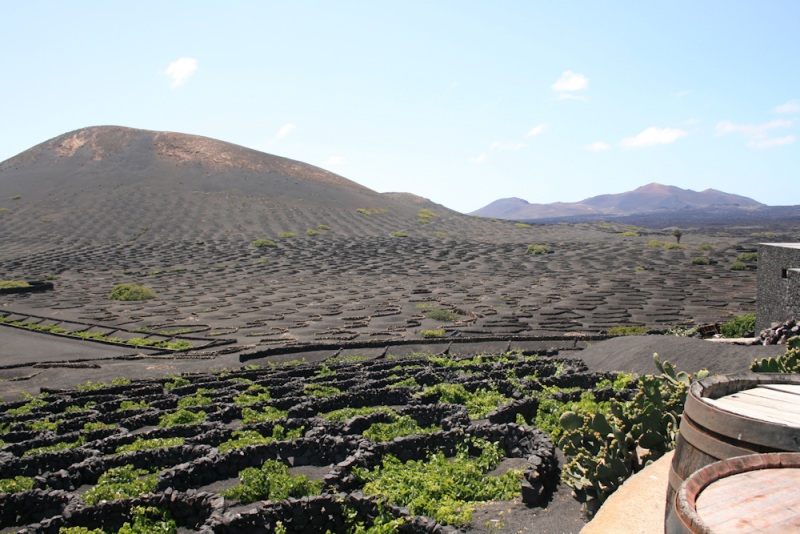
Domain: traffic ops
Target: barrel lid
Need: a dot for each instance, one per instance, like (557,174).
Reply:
(775,403)
(719,405)
(747,494)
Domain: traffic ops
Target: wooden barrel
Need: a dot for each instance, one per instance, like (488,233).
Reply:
(735,415)
(759,493)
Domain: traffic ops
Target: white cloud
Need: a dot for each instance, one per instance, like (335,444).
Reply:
(536,130)
(775,141)
(757,134)
(792,106)
(335,161)
(599,146)
(285,130)
(180,70)
(498,145)
(480,158)
(653,136)
(570,81)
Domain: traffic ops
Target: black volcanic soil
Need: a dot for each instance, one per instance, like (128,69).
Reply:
(91,213)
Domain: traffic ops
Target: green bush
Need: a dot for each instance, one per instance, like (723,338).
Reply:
(442,315)
(402,425)
(271,483)
(478,404)
(181,417)
(131,292)
(149,520)
(120,483)
(16,484)
(142,444)
(245,438)
(430,334)
(738,266)
(700,260)
(399,234)
(705,247)
(324,227)
(268,413)
(13,284)
(629,234)
(287,235)
(426,214)
(742,326)
(318,390)
(312,232)
(261,243)
(538,249)
(747,257)
(445,489)
(633,330)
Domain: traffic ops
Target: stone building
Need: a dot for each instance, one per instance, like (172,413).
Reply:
(778,283)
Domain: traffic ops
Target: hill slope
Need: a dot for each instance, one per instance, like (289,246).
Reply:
(110,183)
(646,199)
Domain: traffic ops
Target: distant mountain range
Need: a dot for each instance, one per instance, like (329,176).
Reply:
(649,199)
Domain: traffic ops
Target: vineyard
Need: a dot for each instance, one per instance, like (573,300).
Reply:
(413,443)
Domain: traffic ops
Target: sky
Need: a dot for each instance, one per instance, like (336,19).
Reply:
(461,102)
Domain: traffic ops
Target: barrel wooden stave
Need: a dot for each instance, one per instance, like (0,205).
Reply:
(709,434)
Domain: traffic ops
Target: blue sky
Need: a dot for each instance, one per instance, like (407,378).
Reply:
(461,102)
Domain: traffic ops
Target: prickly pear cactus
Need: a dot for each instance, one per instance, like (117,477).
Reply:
(603,450)
(788,362)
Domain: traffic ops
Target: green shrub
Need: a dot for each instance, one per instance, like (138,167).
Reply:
(550,411)
(271,483)
(430,334)
(132,405)
(149,520)
(629,233)
(287,235)
(426,214)
(538,249)
(268,413)
(16,484)
(700,260)
(478,404)
(318,390)
(312,232)
(742,326)
(194,400)
(402,425)
(399,234)
(120,483)
(522,225)
(705,247)
(738,266)
(142,444)
(747,257)
(130,292)
(442,315)
(181,417)
(60,446)
(447,490)
(252,395)
(262,243)
(324,227)
(634,330)
(343,414)
(177,382)
(245,438)
(13,284)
